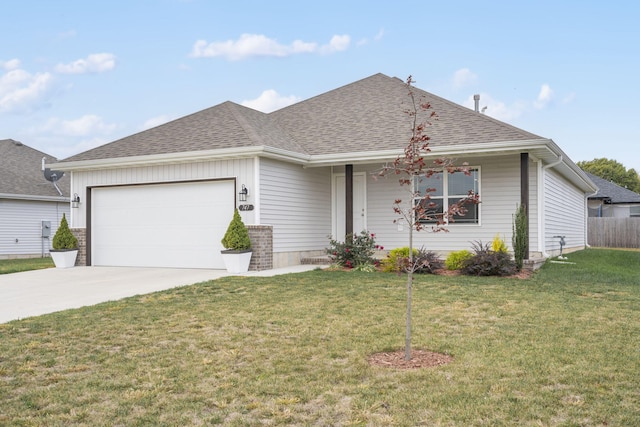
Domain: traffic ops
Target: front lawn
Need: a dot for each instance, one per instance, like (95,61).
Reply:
(24,264)
(560,348)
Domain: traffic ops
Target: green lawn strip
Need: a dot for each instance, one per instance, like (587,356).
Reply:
(24,264)
(556,349)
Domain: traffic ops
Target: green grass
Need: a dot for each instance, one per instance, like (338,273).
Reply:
(559,349)
(24,264)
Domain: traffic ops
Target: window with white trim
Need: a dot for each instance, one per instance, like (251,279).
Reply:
(634,211)
(447,189)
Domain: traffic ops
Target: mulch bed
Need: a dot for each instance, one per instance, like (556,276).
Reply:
(419,359)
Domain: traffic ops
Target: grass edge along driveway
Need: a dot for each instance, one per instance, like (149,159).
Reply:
(561,348)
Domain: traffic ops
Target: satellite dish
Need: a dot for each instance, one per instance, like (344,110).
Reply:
(52,176)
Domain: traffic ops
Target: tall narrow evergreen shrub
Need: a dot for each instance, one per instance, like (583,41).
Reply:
(520,236)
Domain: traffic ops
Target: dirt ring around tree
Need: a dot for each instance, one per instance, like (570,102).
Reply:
(419,359)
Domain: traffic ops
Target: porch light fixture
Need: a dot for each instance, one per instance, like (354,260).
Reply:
(75,202)
(242,195)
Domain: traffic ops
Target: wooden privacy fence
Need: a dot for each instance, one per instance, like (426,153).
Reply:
(614,232)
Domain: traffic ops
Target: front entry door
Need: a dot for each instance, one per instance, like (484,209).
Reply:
(359,205)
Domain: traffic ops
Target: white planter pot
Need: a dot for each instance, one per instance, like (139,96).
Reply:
(236,262)
(64,258)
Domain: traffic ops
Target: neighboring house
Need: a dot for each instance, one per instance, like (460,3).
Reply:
(612,200)
(28,200)
(164,196)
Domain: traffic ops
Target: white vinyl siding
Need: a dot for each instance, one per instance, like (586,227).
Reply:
(241,169)
(297,203)
(564,213)
(499,191)
(21,220)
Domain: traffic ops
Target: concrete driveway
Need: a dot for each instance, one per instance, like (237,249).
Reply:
(32,293)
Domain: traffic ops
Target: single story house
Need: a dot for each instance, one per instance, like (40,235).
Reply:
(31,206)
(612,200)
(164,196)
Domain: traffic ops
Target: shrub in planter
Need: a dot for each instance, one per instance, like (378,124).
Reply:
(237,255)
(487,262)
(65,246)
(455,260)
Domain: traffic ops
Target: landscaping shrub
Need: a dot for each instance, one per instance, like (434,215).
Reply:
(520,236)
(64,238)
(498,244)
(424,261)
(455,260)
(487,262)
(397,260)
(237,236)
(356,250)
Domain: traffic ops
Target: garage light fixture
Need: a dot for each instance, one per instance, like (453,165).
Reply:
(75,202)
(242,195)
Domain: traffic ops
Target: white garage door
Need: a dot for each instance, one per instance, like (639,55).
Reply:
(161,225)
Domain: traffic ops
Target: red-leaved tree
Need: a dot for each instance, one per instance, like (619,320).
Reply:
(417,210)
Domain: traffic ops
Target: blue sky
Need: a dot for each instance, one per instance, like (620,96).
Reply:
(77,74)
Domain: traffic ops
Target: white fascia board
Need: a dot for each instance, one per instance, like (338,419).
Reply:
(34,197)
(441,151)
(184,157)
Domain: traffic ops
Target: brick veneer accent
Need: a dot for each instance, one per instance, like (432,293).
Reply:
(261,237)
(81,235)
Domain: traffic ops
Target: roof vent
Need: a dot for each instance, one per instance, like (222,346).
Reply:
(476,101)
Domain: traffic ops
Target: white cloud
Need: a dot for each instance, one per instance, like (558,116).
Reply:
(337,44)
(11,64)
(94,63)
(89,124)
(156,121)
(495,108)
(251,45)
(21,91)
(463,77)
(545,96)
(270,101)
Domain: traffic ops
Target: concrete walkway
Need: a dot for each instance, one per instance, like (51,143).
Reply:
(32,293)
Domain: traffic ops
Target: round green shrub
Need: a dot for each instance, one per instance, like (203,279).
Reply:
(455,260)
(396,260)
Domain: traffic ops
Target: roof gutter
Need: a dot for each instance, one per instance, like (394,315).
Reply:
(34,197)
(184,157)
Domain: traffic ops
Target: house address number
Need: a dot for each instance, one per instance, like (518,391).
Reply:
(245,207)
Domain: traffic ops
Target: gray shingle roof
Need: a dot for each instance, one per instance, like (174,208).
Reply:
(366,115)
(610,190)
(21,171)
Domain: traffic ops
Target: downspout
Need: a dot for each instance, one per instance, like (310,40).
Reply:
(542,236)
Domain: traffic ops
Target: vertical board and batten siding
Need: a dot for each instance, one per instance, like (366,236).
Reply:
(297,203)
(564,213)
(242,169)
(22,220)
(499,194)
